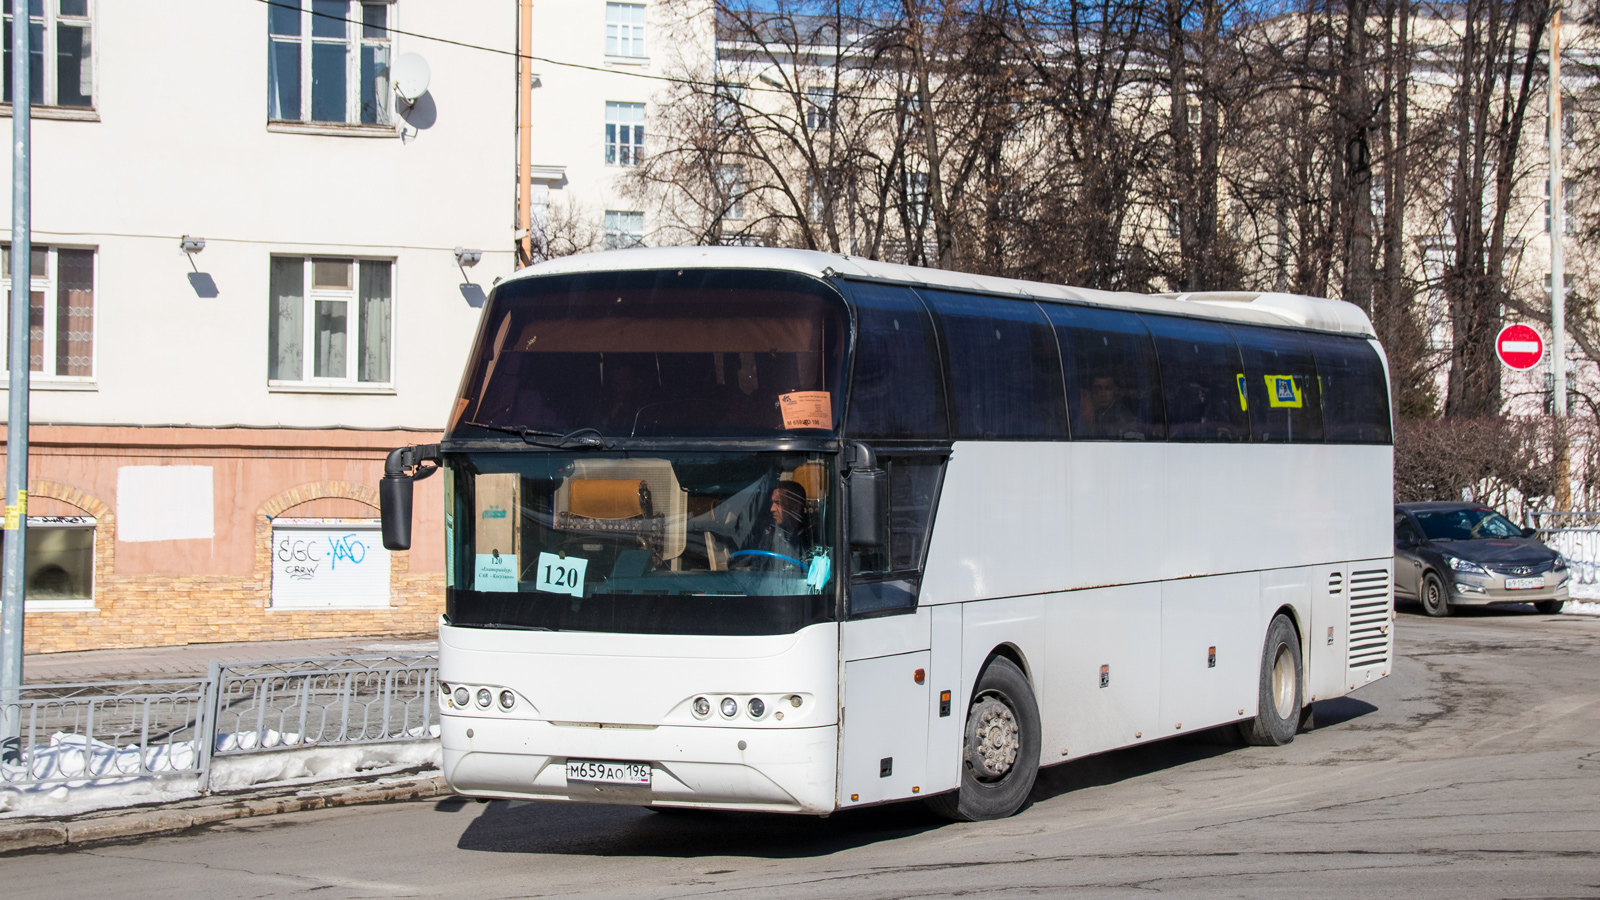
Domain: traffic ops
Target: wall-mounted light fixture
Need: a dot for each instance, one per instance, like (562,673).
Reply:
(191,245)
(468,258)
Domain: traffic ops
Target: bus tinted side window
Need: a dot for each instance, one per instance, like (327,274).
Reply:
(1113,390)
(1281,385)
(1005,371)
(897,390)
(1355,393)
(1200,375)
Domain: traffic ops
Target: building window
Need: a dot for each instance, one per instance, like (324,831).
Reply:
(1568,192)
(624,133)
(337,49)
(59,30)
(732,187)
(330,321)
(819,108)
(60,311)
(624,229)
(916,185)
(625,29)
(58,567)
(727,104)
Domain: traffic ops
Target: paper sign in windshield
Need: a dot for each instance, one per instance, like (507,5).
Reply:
(495,572)
(561,574)
(807,409)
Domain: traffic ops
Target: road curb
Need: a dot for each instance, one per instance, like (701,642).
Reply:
(42,833)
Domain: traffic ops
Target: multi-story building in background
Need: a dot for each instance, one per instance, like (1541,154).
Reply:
(246,290)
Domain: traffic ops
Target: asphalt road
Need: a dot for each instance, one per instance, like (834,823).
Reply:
(1473,772)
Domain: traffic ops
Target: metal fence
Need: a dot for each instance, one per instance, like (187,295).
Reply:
(1575,534)
(105,732)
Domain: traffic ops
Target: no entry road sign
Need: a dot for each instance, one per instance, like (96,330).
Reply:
(1519,346)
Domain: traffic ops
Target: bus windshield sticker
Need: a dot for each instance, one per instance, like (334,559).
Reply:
(495,572)
(1243,404)
(1282,391)
(561,574)
(807,409)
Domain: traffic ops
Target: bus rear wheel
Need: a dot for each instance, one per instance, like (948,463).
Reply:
(1000,748)
(1282,675)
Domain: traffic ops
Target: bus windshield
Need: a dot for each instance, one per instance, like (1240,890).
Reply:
(690,353)
(661,543)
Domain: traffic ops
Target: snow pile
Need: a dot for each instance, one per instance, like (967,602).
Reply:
(111,775)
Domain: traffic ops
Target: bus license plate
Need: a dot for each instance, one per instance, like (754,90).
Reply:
(597,771)
(1522,584)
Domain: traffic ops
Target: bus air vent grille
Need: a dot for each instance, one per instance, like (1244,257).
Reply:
(1336,583)
(1369,618)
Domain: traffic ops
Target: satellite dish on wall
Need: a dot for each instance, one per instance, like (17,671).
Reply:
(410,75)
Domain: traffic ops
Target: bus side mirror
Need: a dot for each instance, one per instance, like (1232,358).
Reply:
(395,491)
(867,488)
(394,503)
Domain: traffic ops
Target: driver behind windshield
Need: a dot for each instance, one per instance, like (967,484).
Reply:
(786,530)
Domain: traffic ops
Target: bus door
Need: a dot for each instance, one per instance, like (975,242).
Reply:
(883,707)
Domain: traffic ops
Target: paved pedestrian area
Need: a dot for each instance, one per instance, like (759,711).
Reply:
(190,660)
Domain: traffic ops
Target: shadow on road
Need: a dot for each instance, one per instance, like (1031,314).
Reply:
(572,829)
(1511,610)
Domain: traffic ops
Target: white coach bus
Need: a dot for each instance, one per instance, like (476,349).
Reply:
(780,530)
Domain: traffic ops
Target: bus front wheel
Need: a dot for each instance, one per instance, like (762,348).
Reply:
(1278,706)
(1000,748)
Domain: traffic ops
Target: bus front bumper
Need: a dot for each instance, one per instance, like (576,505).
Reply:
(769,769)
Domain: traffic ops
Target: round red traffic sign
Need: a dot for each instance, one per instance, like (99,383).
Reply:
(1519,346)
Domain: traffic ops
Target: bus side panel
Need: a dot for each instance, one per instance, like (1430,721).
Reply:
(1210,651)
(1105,646)
(946,723)
(1015,621)
(1328,632)
(882,745)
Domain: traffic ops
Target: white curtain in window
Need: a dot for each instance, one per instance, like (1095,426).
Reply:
(285,325)
(373,342)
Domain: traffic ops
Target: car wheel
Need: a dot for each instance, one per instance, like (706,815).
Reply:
(1549,607)
(999,750)
(1435,601)
(1278,709)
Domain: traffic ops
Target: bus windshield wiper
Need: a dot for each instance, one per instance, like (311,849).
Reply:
(581,437)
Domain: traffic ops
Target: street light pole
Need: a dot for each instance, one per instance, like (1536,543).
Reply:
(1558,274)
(16,513)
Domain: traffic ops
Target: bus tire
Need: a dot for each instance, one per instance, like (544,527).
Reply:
(1435,599)
(1550,607)
(1279,706)
(999,748)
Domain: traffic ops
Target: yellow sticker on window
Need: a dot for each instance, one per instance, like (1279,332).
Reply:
(1283,392)
(807,409)
(1243,403)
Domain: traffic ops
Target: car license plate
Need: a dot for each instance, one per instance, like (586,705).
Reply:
(1522,584)
(598,771)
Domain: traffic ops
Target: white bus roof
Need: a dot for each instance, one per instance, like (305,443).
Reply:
(1267,308)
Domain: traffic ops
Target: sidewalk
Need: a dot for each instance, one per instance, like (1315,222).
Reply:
(191,660)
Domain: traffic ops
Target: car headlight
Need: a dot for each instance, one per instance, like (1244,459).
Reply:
(1560,563)
(1465,565)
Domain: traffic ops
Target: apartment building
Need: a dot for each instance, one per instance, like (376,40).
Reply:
(246,290)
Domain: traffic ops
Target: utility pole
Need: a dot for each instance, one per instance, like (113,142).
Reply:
(1558,275)
(525,128)
(16,515)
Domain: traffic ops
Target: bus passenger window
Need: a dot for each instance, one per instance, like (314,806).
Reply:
(1005,373)
(1355,394)
(897,391)
(1112,390)
(1281,385)
(1200,374)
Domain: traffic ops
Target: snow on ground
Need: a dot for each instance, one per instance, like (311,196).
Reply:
(68,753)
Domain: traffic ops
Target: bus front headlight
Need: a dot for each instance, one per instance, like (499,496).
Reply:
(730,707)
(702,707)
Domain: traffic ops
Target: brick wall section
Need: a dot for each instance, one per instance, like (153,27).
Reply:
(163,610)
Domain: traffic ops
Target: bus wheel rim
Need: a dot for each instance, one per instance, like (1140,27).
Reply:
(998,739)
(1283,682)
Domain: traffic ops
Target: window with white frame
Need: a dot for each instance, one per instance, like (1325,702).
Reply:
(59,30)
(1568,190)
(732,187)
(624,133)
(328,61)
(60,311)
(624,229)
(819,108)
(727,104)
(330,321)
(58,567)
(625,29)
